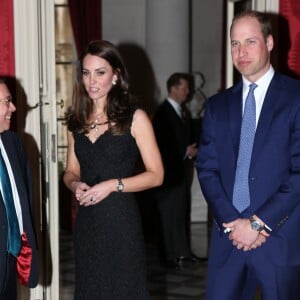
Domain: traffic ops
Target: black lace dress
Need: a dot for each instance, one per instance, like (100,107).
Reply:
(110,260)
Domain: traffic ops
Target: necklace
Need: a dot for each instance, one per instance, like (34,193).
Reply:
(95,126)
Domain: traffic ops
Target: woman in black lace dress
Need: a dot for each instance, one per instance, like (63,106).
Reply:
(107,133)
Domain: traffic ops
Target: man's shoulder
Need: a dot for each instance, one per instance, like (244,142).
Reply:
(287,80)
(9,135)
(287,88)
(224,94)
(163,108)
(165,104)
(10,139)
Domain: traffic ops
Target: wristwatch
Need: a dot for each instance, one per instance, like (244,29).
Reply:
(256,225)
(120,185)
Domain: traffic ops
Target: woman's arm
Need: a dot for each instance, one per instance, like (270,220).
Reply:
(153,175)
(72,173)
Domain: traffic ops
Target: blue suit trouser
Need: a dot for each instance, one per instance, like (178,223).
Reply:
(243,272)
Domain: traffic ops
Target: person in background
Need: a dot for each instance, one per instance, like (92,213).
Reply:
(173,134)
(107,133)
(18,246)
(248,167)
(193,132)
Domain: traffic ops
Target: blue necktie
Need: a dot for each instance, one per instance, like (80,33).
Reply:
(241,196)
(13,235)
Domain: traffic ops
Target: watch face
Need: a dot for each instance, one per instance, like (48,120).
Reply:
(255,225)
(120,186)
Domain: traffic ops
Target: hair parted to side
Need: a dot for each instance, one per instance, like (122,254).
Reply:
(262,18)
(119,107)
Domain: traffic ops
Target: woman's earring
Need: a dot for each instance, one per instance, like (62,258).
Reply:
(114,82)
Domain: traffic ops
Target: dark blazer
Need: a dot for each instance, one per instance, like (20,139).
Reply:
(20,167)
(274,176)
(173,136)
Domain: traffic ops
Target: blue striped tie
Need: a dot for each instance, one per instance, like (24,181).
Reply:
(13,235)
(241,195)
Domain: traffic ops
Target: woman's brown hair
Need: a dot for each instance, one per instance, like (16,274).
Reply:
(119,107)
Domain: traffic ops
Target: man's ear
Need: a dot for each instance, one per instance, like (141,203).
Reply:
(270,43)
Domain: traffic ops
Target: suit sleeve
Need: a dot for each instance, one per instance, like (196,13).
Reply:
(280,206)
(209,174)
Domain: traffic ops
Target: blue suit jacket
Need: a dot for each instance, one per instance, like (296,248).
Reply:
(20,167)
(274,176)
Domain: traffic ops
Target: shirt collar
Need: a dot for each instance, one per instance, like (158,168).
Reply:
(263,81)
(175,105)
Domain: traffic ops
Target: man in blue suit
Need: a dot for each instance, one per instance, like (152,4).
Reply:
(259,245)
(19,253)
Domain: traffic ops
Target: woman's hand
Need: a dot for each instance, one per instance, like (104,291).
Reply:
(79,188)
(97,193)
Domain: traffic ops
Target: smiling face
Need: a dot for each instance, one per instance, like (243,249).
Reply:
(6,107)
(250,51)
(97,76)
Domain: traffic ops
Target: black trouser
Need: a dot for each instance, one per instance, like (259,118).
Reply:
(172,206)
(8,287)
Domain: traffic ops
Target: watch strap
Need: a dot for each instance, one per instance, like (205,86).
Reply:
(120,185)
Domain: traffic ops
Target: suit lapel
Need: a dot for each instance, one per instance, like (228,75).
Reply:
(171,111)
(265,119)
(269,106)
(12,157)
(235,114)
(15,165)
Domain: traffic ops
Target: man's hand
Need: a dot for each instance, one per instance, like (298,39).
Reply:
(243,236)
(191,150)
(259,241)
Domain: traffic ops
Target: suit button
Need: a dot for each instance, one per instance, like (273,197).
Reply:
(253,178)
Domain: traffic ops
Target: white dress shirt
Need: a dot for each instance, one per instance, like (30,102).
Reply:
(259,92)
(13,187)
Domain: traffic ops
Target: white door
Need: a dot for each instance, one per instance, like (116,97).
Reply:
(35,71)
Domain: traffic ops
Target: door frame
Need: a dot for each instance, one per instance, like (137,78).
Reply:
(35,71)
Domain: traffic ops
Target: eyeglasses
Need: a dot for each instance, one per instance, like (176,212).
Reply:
(7,100)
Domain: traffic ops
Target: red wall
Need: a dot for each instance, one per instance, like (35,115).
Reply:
(7,57)
(289,36)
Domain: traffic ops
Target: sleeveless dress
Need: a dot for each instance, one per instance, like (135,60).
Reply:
(110,261)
